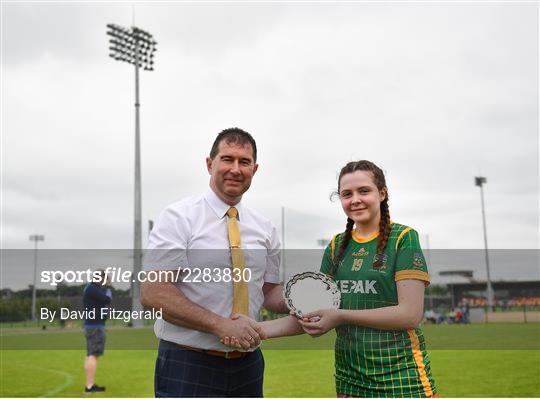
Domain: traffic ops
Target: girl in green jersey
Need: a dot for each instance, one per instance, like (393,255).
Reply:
(381,272)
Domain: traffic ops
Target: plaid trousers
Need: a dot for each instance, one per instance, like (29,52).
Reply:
(186,373)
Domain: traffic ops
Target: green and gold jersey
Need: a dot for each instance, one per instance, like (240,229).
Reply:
(372,362)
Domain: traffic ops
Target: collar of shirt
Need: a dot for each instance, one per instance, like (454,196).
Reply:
(219,207)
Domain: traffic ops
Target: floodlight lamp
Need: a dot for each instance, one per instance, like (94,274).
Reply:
(479,180)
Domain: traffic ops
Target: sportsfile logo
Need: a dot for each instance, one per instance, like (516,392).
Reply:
(119,275)
(357,286)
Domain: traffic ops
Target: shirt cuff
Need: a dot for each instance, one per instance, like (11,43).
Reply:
(271,278)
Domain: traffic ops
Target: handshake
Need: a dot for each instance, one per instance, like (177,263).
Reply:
(242,332)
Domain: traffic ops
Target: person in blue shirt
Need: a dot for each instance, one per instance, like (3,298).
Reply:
(95,297)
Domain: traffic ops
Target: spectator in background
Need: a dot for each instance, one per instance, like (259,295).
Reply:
(430,316)
(95,297)
(458,316)
(451,316)
(465,310)
(440,318)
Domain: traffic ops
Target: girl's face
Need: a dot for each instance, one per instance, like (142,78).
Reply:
(360,197)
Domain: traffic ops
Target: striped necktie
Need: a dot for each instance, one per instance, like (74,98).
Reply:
(240,288)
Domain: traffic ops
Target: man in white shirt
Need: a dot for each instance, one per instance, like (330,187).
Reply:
(195,234)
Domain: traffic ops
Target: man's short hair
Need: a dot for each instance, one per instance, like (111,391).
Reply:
(98,276)
(234,135)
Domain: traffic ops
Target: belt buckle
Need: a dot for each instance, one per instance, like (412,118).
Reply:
(228,355)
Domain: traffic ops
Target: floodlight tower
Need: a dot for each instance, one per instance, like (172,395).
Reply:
(137,47)
(479,181)
(35,238)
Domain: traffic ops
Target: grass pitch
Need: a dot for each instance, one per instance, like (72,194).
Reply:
(503,360)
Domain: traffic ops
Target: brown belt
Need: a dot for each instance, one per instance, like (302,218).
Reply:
(226,355)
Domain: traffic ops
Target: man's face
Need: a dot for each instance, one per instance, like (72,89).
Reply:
(231,171)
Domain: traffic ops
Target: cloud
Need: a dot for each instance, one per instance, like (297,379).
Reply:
(434,93)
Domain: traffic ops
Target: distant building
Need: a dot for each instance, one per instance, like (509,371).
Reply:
(507,293)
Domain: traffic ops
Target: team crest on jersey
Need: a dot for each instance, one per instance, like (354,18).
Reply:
(361,252)
(381,268)
(418,260)
(357,264)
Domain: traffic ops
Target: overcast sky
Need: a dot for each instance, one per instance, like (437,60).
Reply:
(433,93)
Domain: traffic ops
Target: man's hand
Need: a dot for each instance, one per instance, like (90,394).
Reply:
(241,332)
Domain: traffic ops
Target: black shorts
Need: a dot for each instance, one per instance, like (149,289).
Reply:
(95,341)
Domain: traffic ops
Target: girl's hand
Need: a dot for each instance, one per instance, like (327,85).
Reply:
(321,321)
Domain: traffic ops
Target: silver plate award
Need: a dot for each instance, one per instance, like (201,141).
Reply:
(310,291)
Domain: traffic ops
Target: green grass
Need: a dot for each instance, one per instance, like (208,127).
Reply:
(475,372)
(455,336)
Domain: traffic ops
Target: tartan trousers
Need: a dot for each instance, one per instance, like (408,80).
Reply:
(185,373)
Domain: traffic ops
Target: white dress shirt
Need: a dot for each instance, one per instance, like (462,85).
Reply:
(192,234)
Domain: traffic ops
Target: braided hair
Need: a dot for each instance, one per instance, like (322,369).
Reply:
(385,226)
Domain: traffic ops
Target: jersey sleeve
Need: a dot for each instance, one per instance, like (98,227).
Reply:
(410,261)
(328,257)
